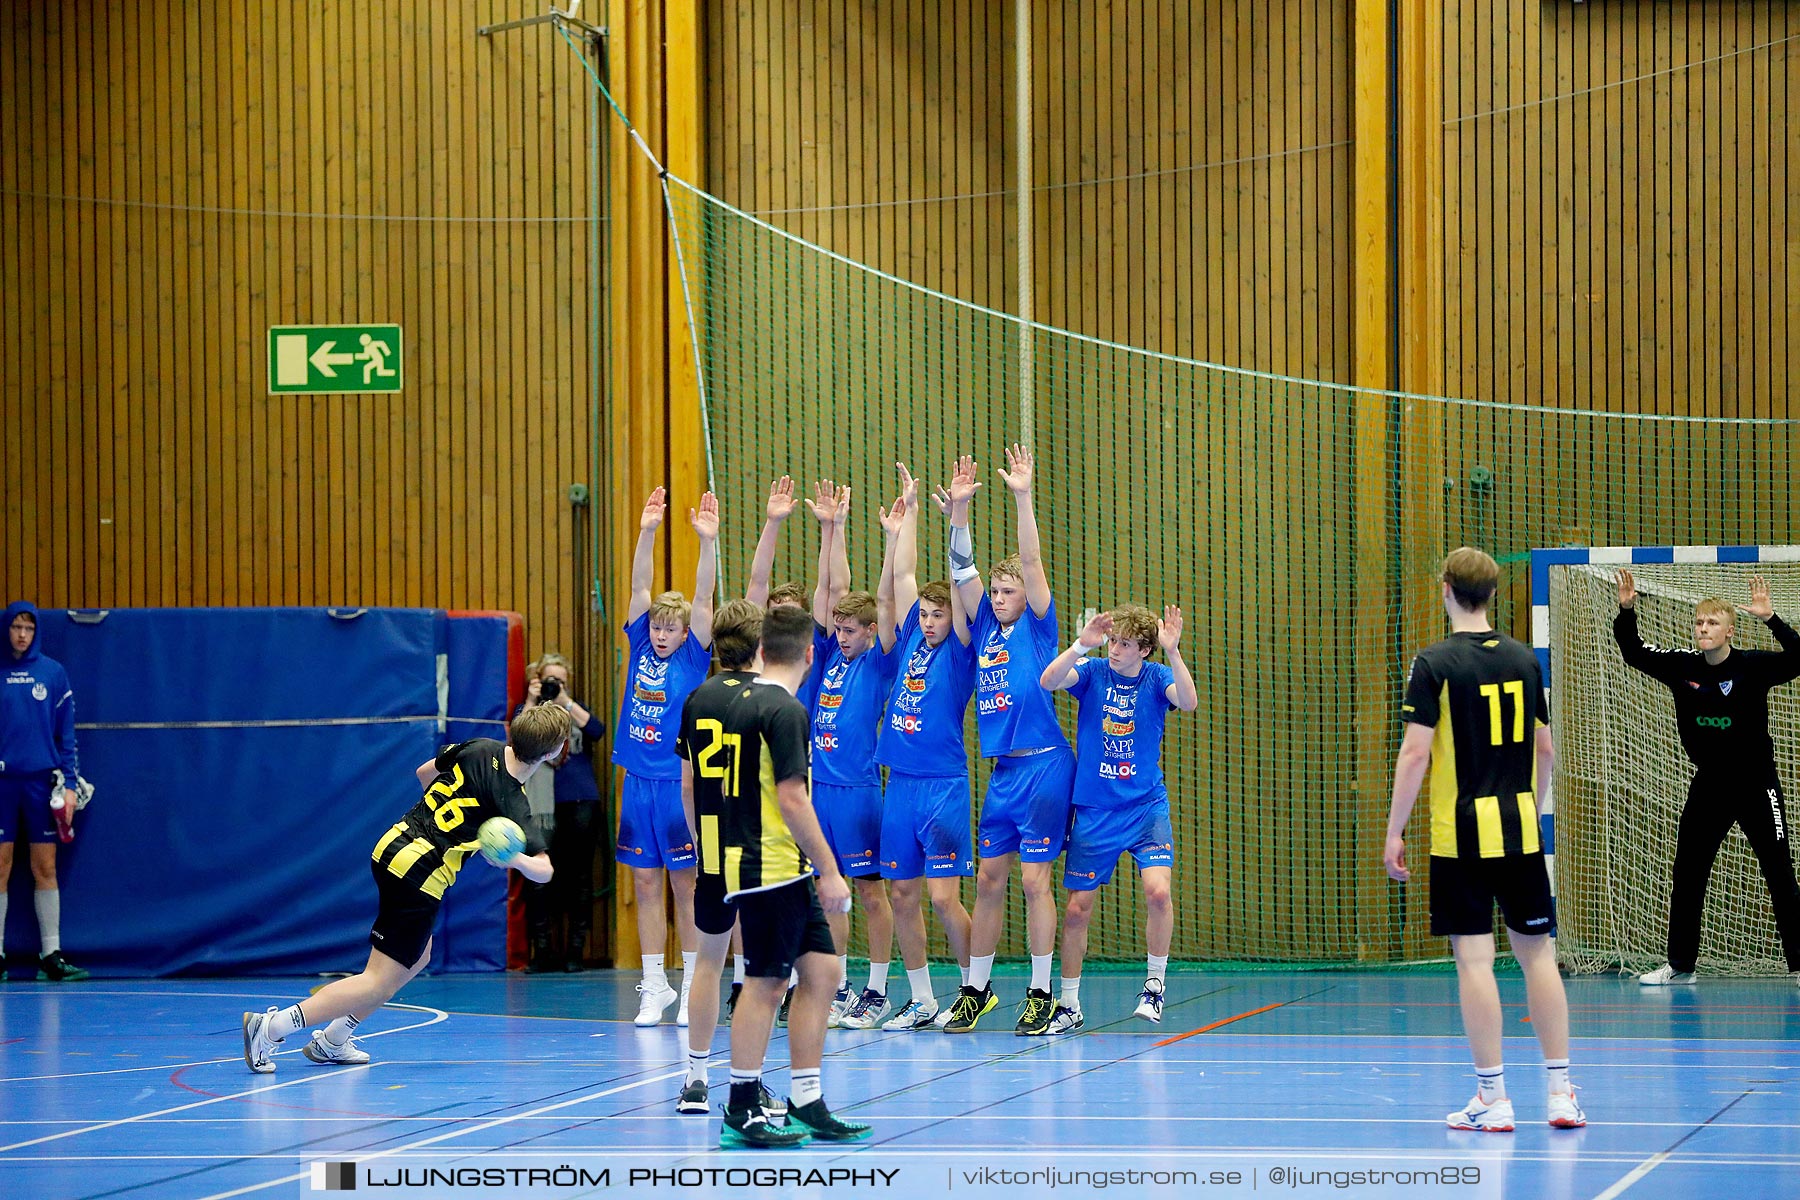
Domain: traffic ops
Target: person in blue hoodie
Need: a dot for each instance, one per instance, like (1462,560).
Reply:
(37,739)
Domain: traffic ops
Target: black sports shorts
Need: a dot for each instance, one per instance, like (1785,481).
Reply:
(404,920)
(712,912)
(779,926)
(1464,891)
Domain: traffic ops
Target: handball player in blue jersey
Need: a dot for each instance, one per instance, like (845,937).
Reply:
(1121,805)
(669,656)
(925,840)
(1025,816)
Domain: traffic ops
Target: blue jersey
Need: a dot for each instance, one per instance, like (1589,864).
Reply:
(847,714)
(650,713)
(922,733)
(808,691)
(1012,710)
(37,707)
(1119,733)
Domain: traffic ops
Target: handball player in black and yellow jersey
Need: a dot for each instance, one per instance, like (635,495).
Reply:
(414,862)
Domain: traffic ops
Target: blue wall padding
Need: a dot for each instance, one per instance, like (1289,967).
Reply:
(216,851)
(471,931)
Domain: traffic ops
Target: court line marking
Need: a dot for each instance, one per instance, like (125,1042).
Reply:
(1662,1156)
(1170,1041)
(177,1067)
(363,1156)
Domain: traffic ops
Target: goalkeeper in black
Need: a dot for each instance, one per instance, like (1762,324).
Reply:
(1722,713)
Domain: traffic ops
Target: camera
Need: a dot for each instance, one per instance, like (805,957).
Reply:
(550,688)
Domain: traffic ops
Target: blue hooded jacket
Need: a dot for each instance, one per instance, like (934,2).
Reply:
(37,707)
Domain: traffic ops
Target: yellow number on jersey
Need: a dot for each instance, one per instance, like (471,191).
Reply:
(732,744)
(446,806)
(1496,722)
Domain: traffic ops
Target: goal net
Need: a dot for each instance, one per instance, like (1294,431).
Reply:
(1622,778)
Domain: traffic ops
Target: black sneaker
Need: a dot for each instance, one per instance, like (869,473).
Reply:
(693,1098)
(737,989)
(57,969)
(750,1129)
(1035,1020)
(969,1007)
(818,1120)
(787,1002)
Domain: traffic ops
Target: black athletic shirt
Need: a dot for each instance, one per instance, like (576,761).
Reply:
(427,846)
(1483,695)
(1721,712)
(744,737)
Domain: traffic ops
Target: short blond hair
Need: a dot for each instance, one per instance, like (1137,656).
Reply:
(1136,623)
(1712,606)
(550,659)
(539,730)
(1473,576)
(856,606)
(1010,567)
(737,628)
(787,593)
(671,606)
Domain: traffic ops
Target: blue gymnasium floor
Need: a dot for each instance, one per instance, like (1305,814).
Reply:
(138,1089)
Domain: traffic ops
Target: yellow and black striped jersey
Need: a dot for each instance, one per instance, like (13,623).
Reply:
(1483,695)
(427,846)
(743,738)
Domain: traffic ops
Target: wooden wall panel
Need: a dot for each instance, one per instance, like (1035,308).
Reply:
(1615,188)
(177,178)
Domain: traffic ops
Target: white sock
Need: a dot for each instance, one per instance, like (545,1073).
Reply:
(806,1085)
(687,971)
(697,1065)
(339,1031)
(1040,972)
(1159,966)
(793,979)
(843,972)
(965,974)
(1071,993)
(1493,1083)
(284,1021)
(3,899)
(49,915)
(921,985)
(877,973)
(981,969)
(737,968)
(1559,1075)
(653,970)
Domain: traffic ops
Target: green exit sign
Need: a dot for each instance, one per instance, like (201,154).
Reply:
(326,359)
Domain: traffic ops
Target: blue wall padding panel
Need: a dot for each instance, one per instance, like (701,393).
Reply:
(471,931)
(239,850)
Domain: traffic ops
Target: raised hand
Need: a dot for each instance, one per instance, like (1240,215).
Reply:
(781,499)
(1168,630)
(706,520)
(655,509)
(842,501)
(909,487)
(1018,470)
(823,504)
(1760,605)
(1627,589)
(1097,631)
(941,497)
(963,483)
(893,518)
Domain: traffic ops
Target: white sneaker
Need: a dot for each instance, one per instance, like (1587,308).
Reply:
(656,997)
(1664,975)
(867,1012)
(1483,1118)
(943,1017)
(321,1051)
(1066,1019)
(258,1047)
(841,1004)
(687,982)
(1150,1001)
(916,1015)
(1565,1111)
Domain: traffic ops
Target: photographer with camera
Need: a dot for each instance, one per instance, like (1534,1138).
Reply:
(574,829)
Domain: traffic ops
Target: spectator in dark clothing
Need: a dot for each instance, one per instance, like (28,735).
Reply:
(575,828)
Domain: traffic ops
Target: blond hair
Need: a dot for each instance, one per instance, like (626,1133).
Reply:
(1136,623)
(538,731)
(1713,606)
(787,593)
(1473,575)
(671,606)
(1010,567)
(856,606)
(550,659)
